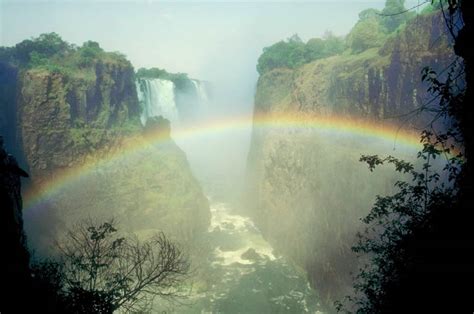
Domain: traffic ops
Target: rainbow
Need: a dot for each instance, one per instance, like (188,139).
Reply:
(137,144)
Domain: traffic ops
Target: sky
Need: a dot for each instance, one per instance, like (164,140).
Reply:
(195,37)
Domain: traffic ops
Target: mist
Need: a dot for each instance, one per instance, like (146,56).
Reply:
(218,42)
(257,176)
(215,41)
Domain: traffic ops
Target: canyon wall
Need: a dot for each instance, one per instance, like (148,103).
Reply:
(307,192)
(76,126)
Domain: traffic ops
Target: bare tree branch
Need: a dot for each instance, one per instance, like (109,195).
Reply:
(117,272)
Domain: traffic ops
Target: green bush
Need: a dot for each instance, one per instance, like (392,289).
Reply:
(180,80)
(37,59)
(329,45)
(50,53)
(88,53)
(365,34)
(293,52)
(395,14)
(44,46)
(289,54)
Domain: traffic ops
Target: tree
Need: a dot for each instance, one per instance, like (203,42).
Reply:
(401,237)
(293,52)
(334,44)
(395,14)
(318,48)
(369,14)
(89,51)
(181,80)
(45,46)
(365,34)
(418,242)
(102,271)
(283,54)
(315,49)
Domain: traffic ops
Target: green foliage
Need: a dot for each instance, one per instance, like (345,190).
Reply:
(180,80)
(408,232)
(318,48)
(131,126)
(434,6)
(369,14)
(45,46)
(7,54)
(37,59)
(374,26)
(277,56)
(49,52)
(315,49)
(293,52)
(333,44)
(89,53)
(395,14)
(370,31)
(394,221)
(366,34)
(157,124)
(152,73)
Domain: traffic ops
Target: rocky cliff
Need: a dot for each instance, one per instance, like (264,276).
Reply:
(63,118)
(14,268)
(307,193)
(78,118)
(378,83)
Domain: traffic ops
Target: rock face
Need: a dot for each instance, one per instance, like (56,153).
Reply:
(63,118)
(379,83)
(14,271)
(8,87)
(147,186)
(308,193)
(83,125)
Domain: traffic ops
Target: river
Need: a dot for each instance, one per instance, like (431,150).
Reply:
(245,274)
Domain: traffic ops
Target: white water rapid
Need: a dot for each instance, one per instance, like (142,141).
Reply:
(244,274)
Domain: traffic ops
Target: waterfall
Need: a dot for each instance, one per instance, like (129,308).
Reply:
(157,98)
(201,92)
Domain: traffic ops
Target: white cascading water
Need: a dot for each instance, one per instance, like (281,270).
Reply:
(157,98)
(201,92)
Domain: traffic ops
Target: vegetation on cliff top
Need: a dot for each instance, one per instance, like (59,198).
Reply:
(180,80)
(293,52)
(372,30)
(49,52)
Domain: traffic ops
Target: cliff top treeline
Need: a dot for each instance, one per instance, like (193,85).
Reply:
(51,53)
(180,80)
(373,29)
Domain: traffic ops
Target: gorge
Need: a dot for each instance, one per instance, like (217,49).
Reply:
(266,202)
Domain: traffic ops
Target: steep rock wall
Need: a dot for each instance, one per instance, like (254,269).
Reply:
(379,83)
(308,193)
(67,121)
(63,118)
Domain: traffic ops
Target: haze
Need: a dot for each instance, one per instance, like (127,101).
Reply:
(215,41)
(275,199)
